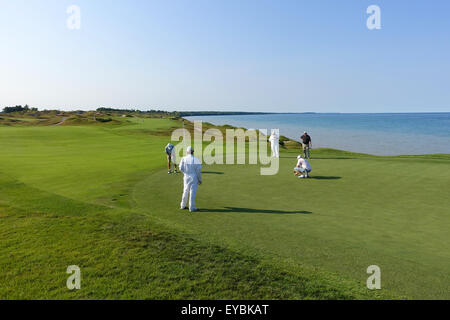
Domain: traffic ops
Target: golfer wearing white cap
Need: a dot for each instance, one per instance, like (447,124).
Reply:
(171,156)
(192,169)
(303,166)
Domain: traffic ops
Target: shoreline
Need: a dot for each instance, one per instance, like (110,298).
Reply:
(297,144)
(230,113)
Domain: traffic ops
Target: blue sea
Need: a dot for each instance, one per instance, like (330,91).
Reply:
(377,133)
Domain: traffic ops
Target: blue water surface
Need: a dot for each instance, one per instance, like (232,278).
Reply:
(377,133)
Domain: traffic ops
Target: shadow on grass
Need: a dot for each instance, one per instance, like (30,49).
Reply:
(335,158)
(322,158)
(324,177)
(212,172)
(248,210)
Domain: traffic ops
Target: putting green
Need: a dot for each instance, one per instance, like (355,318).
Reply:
(351,213)
(100,197)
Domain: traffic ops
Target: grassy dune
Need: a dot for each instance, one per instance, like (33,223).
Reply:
(99,196)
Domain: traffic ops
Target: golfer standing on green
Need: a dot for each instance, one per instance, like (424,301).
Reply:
(192,169)
(171,156)
(307,145)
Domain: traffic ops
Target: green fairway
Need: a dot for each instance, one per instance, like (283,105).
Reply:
(99,196)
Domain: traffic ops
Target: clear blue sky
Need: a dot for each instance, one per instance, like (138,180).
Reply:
(246,55)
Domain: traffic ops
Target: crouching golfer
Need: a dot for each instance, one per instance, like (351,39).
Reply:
(191,167)
(171,157)
(303,166)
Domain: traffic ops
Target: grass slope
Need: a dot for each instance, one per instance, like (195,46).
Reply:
(99,197)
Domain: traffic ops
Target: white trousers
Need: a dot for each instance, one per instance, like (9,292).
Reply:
(275,149)
(189,191)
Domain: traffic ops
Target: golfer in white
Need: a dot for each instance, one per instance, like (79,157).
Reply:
(275,144)
(303,166)
(171,156)
(192,169)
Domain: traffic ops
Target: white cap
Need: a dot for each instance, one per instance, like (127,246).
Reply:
(299,157)
(189,150)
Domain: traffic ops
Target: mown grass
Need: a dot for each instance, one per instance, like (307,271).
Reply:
(351,214)
(100,197)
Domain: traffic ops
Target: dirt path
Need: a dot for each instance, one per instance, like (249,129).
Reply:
(62,121)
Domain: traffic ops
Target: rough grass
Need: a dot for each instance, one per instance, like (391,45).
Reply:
(123,257)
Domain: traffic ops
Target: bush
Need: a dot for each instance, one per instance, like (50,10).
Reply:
(103,119)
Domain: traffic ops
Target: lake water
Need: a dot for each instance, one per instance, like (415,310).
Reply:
(378,133)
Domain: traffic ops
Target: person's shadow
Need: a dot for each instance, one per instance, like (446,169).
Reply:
(248,210)
(324,177)
(212,172)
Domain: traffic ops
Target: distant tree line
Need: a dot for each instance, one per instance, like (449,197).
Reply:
(179,113)
(216,113)
(18,108)
(175,114)
(138,111)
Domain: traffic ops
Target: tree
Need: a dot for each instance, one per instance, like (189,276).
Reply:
(13,109)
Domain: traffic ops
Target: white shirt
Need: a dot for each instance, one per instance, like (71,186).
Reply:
(273,138)
(304,164)
(191,167)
